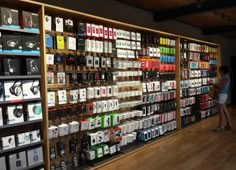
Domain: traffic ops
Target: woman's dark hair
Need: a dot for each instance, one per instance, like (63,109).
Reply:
(224,69)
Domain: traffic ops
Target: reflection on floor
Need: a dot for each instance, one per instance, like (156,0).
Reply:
(196,148)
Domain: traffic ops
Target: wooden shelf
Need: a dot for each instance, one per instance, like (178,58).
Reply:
(21,147)
(34,166)
(20,77)
(18,54)
(20,124)
(18,30)
(20,101)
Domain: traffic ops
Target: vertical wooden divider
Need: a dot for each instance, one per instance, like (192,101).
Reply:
(44,88)
(178,116)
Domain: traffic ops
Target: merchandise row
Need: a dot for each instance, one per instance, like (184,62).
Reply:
(23,159)
(19,90)
(19,113)
(15,66)
(19,43)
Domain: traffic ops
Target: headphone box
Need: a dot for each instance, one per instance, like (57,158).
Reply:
(17,161)
(12,43)
(48,23)
(59,23)
(11,66)
(31,89)
(32,66)
(35,136)
(15,114)
(30,21)
(9,18)
(30,44)
(69,25)
(23,139)
(35,156)
(34,111)
(8,142)
(1,117)
(13,90)
(3,163)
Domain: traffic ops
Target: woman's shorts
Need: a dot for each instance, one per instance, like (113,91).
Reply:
(222,98)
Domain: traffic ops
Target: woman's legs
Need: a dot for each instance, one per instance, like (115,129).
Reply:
(227,117)
(220,108)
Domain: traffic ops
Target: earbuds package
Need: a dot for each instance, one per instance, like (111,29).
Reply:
(34,111)
(11,66)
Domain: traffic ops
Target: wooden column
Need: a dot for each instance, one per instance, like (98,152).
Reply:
(44,88)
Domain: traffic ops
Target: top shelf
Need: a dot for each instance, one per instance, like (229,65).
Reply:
(19,30)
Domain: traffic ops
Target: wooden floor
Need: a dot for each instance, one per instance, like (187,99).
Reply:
(196,148)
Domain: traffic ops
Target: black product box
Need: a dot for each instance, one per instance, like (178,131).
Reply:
(69,25)
(0,41)
(81,29)
(30,44)
(9,18)
(11,66)
(30,21)
(59,59)
(32,66)
(80,44)
(12,43)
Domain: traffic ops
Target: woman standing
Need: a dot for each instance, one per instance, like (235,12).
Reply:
(222,89)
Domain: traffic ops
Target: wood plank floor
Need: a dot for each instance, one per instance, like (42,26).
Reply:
(196,148)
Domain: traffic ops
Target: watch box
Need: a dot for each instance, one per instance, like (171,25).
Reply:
(30,21)
(9,17)
(30,44)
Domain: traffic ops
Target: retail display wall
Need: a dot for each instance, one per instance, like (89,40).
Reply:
(79,90)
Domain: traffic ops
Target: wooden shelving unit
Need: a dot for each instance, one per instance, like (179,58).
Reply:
(43,9)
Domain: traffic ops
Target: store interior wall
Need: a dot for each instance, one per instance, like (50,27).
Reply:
(119,11)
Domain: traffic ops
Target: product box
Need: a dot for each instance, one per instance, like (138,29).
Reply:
(81,29)
(23,139)
(30,44)
(15,114)
(1,91)
(60,41)
(0,41)
(17,161)
(69,26)
(35,156)
(32,66)
(49,41)
(8,142)
(11,66)
(13,90)
(59,24)
(9,18)
(31,89)
(30,21)
(71,43)
(3,163)
(12,43)
(34,111)
(48,23)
